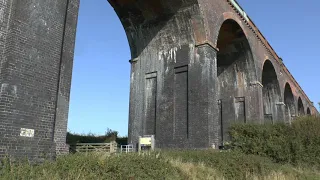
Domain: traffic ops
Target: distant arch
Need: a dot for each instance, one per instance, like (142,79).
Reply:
(300,107)
(289,103)
(271,93)
(308,111)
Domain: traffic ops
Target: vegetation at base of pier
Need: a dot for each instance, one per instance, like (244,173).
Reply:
(173,165)
(263,152)
(297,144)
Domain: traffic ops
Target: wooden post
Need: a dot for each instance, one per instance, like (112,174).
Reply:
(111,147)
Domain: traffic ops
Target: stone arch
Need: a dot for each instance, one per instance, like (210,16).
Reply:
(289,103)
(308,111)
(145,25)
(301,111)
(271,93)
(142,21)
(230,16)
(235,71)
(222,19)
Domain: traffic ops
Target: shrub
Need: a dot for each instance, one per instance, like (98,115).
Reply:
(298,144)
(110,135)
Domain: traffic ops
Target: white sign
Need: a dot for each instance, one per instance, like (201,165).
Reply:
(27,132)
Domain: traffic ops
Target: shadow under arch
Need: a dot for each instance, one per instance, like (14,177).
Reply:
(144,19)
(230,16)
(308,112)
(235,71)
(301,111)
(271,93)
(290,112)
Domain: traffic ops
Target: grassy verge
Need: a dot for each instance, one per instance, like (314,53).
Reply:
(160,165)
(93,166)
(237,165)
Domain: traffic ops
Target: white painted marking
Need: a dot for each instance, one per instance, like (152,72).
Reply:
(27,132)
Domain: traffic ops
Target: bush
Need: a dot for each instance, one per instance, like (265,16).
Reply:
(110,135)
(298,144)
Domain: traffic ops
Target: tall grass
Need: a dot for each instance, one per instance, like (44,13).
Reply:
(173,165)
(93,166)
(236,165)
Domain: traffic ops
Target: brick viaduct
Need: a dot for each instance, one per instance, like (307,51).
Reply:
(197,66)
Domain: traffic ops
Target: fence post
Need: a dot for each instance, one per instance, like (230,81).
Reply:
(115,146)
(111,147)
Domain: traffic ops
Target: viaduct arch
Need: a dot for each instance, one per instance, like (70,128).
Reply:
(290,110)
(196,66)
(235,71)
(271,93)
(301,109)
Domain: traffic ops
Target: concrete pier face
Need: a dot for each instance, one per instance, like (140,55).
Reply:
(197,66)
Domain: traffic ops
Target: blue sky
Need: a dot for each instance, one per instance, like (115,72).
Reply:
(101,74)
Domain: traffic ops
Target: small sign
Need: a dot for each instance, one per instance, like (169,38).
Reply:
(145,141)
(27,132)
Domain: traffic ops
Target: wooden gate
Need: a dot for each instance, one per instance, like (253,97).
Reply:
(96,147)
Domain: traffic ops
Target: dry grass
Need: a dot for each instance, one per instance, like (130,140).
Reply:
(196,171)
(200,171)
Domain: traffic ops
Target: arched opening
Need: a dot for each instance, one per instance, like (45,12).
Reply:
(289,103)
(271,93)
(300,107)
(101,73)
(236,70)
(308,112)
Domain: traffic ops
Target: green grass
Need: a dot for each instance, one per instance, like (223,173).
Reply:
(93,166)
(158,165)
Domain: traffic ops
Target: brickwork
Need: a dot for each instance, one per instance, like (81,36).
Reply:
(65,73)
(183,76)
